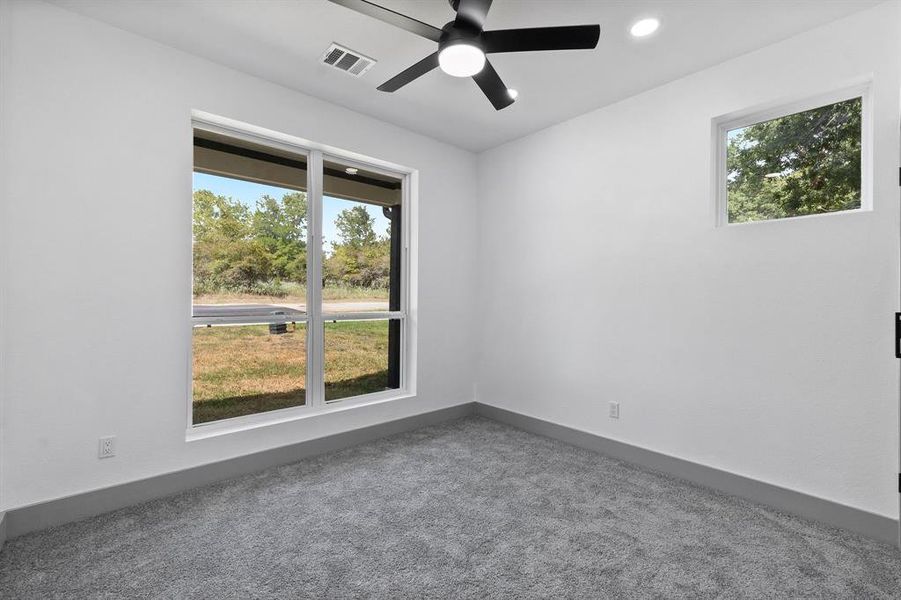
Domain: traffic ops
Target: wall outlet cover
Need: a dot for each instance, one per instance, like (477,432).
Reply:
(107,447)
(614,410)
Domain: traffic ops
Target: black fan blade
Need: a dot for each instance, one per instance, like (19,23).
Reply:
(572,37)
(393,18)
(407,75)
(472,13)
(490,83)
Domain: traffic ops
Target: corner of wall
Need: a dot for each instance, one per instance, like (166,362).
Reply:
(4,36)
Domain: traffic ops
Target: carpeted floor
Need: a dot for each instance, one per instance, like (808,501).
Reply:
(469,509)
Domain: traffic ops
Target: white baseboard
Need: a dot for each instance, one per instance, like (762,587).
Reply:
(39,516)
(869,524)
(43,515)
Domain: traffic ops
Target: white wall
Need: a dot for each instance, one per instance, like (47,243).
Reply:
(96,221)
(764,349)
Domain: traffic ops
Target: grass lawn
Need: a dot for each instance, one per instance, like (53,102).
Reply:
(356,358)
(244,370)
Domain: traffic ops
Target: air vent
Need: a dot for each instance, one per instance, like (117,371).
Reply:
(347,60)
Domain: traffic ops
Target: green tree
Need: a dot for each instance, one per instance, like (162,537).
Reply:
(360,258)
(355,227)
(280,225)
(800,164)
(219,216)
(226,253)
(253,250)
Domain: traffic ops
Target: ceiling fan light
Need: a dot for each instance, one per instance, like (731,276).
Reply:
(461,60)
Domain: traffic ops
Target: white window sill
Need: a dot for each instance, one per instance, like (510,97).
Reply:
(834,213)
(286,415)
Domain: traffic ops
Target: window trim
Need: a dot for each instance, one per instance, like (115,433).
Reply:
(314,402)
(721,125)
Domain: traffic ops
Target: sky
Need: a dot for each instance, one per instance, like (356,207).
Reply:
(248,193)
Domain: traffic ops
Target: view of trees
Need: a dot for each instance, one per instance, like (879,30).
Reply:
(800,164)
(360,259)
(239,249)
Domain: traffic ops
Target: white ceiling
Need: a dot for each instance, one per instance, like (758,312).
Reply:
(282,40)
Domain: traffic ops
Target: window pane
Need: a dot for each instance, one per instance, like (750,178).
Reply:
(361,357)
(801,164)
(361,231)
(250,230)
(242,370)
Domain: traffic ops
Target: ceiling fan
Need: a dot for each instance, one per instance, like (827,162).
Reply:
(463,44)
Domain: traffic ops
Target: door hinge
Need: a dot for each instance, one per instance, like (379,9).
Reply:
(899,483)
(897,335)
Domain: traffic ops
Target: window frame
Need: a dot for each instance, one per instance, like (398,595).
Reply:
(774,110)
(315,319)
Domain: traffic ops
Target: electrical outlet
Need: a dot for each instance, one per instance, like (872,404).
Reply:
(107,447)
(614,410)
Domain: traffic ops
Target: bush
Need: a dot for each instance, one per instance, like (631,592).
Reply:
(258,288)
(367,267)
(267,288)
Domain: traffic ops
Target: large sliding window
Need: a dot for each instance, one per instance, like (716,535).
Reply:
(299,278)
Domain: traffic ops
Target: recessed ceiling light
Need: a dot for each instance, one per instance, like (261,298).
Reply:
(644,27)
(512,93)
(351,171)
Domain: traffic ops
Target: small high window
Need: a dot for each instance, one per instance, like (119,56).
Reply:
(793,164)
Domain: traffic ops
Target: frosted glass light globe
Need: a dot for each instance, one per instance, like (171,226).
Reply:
(461,60)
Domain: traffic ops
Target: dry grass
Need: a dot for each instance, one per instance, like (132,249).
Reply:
(245,370)
(356,358)
(297,294)
(239,298)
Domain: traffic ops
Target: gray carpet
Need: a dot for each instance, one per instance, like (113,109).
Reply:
(469,509)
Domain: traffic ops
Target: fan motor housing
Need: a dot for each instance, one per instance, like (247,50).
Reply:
(453,33)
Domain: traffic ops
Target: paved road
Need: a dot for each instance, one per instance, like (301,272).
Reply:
(244,310)
(267,310)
